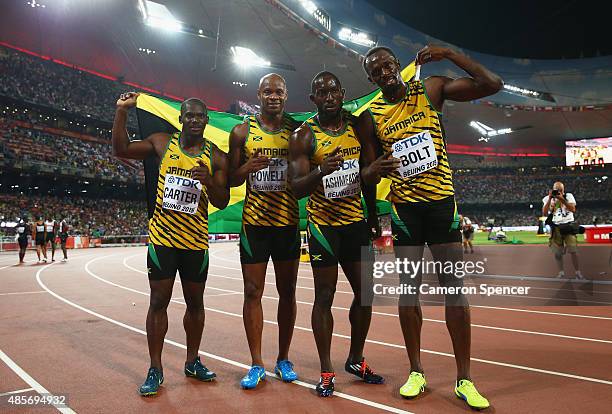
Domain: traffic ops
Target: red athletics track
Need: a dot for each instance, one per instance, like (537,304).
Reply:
(71,329)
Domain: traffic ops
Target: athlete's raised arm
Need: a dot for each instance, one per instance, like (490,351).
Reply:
(481,82)
(122,146)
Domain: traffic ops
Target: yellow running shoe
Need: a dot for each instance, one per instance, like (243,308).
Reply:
(414,386)
(466,391)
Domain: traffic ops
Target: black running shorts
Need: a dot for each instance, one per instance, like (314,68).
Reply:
(163,263)
(328,245)
(259,243)
(433,222)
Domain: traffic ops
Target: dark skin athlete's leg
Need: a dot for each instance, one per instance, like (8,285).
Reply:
(193,320)
(457,311)
(157,318)
(410,315)
(286,277)
(325,279)
(254,276)
(360,313)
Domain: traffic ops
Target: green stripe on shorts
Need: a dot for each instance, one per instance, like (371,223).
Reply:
(244,241)
(316,233)
(153,255)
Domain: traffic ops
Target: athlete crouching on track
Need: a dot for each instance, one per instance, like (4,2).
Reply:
(259,151)
(324,165)
(406,122)
(192,171)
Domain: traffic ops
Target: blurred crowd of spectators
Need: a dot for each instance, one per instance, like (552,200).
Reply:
(88,217)
(492,187)
(84,157)
(71,90)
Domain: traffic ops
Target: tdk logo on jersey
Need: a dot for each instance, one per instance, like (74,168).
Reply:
(174,156)
(277,162)
(350,164)
(410,142)
(184,182)
(257,138)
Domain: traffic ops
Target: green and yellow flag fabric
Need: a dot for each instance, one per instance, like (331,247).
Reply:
(161,115)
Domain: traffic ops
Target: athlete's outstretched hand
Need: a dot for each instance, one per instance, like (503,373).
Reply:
(256,162)
(431,54)
(201,173)
(127,100)
(332,162)
(385,164)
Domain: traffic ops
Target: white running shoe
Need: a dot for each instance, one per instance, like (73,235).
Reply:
(561,274)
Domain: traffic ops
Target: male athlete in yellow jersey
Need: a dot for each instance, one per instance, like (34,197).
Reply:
(404,125)
(259,151)
(192,171)
(325,157)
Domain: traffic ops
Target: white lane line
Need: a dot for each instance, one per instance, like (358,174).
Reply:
(425,301)
(16,392)
(206,295)
(486,361)
(206,354)
(497,328)
(22,293)
(62,408)
(236,278)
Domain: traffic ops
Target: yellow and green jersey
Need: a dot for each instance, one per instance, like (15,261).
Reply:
(269,200)
(413,130)
(180,218)
(337,199)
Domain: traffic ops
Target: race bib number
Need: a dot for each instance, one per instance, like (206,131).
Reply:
(20,230)
(181,194)
(272,178)
(344,182)
(417,154)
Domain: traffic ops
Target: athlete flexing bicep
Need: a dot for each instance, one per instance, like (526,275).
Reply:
(140,149)
(482,82)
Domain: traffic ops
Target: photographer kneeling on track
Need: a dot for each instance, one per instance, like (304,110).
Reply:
(560,208)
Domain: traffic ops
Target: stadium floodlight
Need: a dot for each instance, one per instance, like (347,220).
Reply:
(320,15)
(522,91)
(245,57)
(528,93)
(157,15)
(488,132)
(35,3)
(309,6)
(357,37)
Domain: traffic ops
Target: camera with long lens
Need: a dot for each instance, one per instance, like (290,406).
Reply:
(570,228)
(555,193)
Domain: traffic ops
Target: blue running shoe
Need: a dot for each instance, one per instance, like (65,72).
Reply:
(199,371)
(252,378)
(154,379)
(284,369)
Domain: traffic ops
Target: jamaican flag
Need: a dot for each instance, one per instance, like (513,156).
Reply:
(161,115)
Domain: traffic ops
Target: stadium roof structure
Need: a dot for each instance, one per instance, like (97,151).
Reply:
(109,37)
